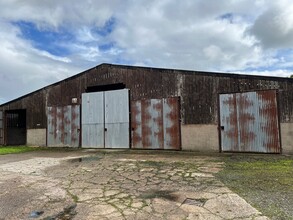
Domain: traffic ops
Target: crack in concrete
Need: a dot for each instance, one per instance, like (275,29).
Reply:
(134,187)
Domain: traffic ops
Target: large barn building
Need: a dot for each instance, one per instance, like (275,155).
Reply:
(115,106)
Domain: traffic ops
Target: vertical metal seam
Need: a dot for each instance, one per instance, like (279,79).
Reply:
(104,114)
(219,125)
(79,133)
(237,118)
(129,117)
(162,126)
(279,120)
(179,122)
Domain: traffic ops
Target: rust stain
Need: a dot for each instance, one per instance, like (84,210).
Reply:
(232,133)
(135,124)
(252,121)
(145,120)
(64,123)
(157,110)
(53,113)
(230,101)
(173,132)
(158,131)
(74,127)
(269,111)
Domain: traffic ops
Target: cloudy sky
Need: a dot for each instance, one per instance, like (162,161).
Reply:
(44,41)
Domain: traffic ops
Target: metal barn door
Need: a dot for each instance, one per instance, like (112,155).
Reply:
(105,119)
(117,119)
(92,116)
(1,129)
(249,122)
(156,124)
(63,126)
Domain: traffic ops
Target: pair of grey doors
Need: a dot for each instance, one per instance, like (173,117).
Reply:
(249,122)
(105,119)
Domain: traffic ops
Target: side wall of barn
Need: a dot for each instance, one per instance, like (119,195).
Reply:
(198,92)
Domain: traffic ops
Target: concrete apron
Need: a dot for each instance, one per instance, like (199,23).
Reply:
(128,186)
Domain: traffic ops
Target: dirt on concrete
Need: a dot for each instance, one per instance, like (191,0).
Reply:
(90,184)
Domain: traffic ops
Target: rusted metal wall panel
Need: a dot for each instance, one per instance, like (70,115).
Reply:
(156,124)
(152,124)
(67,125)
(171,120)
(60,127)
(249,122)
(269,120)
(228,122)
(136,124)
(75,125)
(1,129)
(198,91)
(63,126)
(52,126)
(117,119)
(93,117)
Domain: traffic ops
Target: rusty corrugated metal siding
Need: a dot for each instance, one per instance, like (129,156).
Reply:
(156,124)
(171,123)
(249,122)
(1,128)
(198,91)
(63,126)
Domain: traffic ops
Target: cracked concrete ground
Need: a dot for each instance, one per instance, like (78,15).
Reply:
(90,184)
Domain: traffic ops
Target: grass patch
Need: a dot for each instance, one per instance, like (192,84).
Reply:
(265,181)
(16,149)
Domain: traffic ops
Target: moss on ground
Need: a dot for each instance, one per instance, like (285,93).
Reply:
(265,181)
(16,149)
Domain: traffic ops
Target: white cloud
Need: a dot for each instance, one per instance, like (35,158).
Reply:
(222,35)
(57,58)
(278,73)
(274,28)
(24,68)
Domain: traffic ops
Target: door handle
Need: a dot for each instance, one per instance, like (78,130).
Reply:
(105,129)
(222,128)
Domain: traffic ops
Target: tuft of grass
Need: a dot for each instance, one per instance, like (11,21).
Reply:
(16,149)
(265,181)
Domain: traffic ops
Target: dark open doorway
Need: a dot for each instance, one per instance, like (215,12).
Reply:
(15,127)
(116,86)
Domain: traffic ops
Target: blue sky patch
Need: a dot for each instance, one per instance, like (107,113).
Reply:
(46,40)
(106,47)
(107,28)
